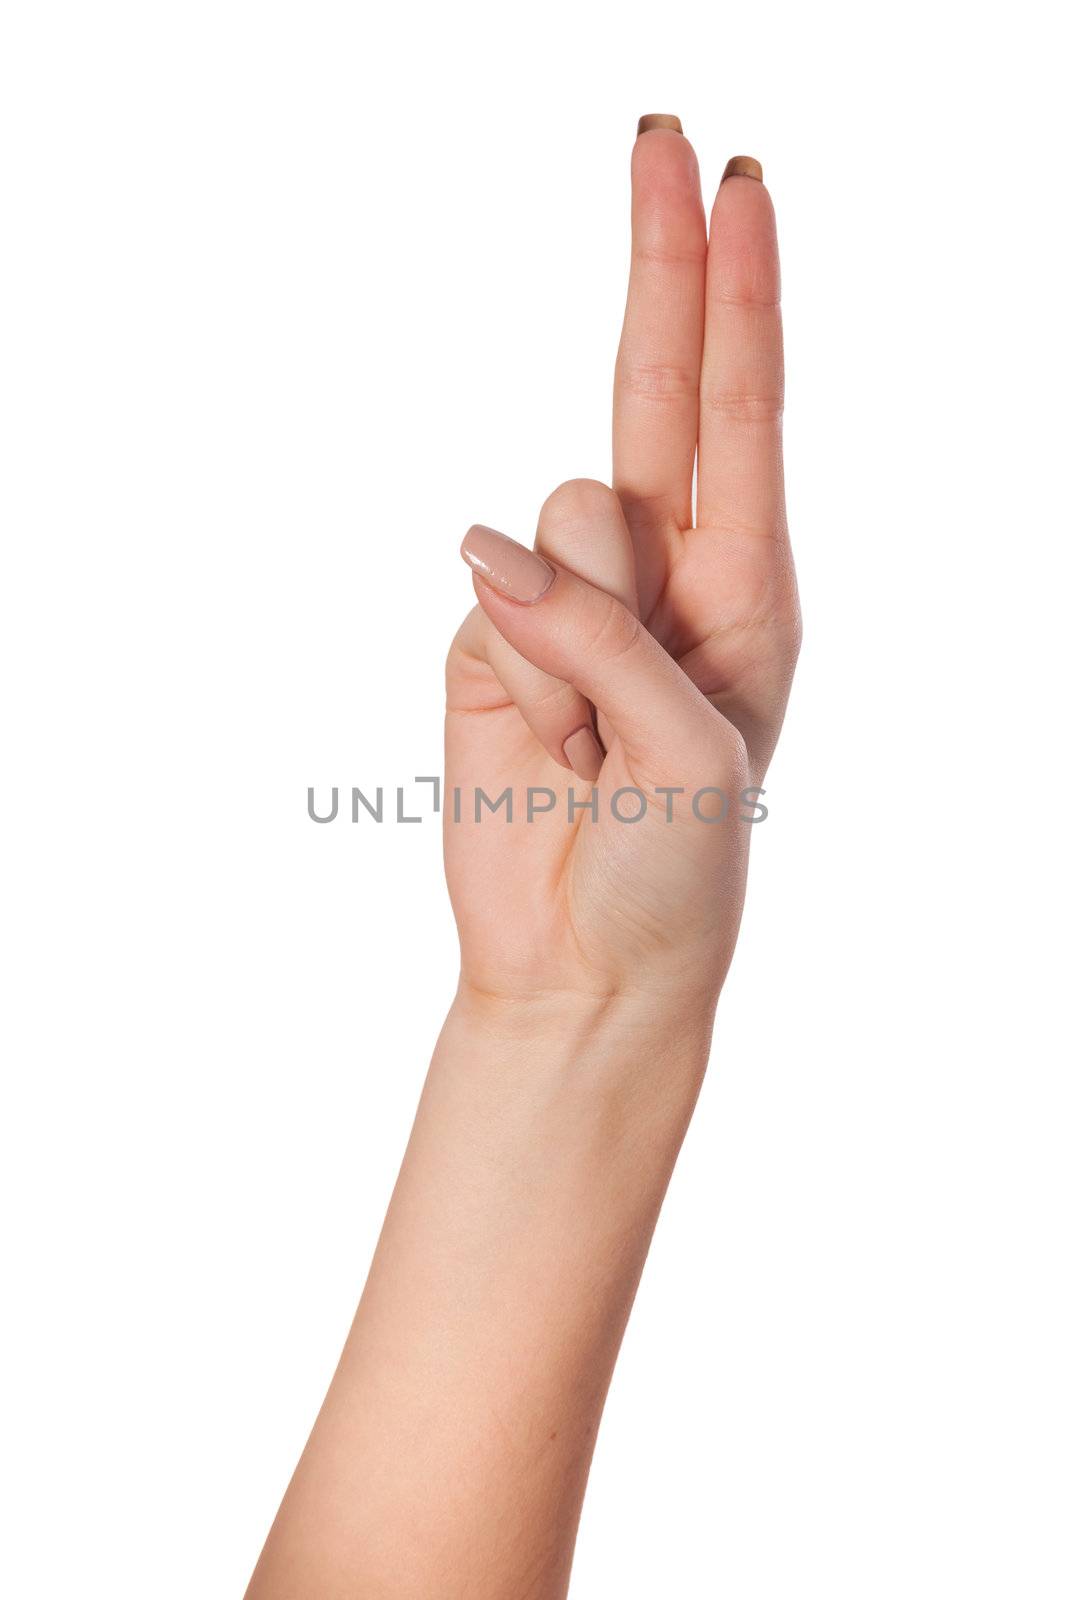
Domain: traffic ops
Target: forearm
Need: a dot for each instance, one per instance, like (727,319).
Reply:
(451,1453)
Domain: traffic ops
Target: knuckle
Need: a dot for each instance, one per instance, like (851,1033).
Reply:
(749,294)
(467,669)
(743,407)
(553,697)
(658,255)
(468,641)
(734,753)
(613,630)
(726,753)
(577,500)
(795,637)
(658,381)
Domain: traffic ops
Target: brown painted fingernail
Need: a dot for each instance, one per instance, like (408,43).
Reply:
(658,119)
(585,754)
(743,167)
(508,566)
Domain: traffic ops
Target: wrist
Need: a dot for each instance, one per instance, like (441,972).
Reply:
(674,1006)
(608,1039)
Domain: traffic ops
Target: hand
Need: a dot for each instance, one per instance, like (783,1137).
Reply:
(664,640)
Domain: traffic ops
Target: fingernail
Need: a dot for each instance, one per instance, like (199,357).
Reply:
(742,167)
(585,754)
(508,566)
(658,119)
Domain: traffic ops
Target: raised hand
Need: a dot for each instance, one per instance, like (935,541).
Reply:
(663,638)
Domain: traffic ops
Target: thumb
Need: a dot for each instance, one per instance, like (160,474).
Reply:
(587,637)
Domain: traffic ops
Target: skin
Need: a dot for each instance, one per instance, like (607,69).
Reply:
(451,1453)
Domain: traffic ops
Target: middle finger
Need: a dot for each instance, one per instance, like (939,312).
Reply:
(657,374)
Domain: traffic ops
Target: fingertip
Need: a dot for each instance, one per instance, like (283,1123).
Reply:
(578,498)
(584,754)
(742,200)
(664,165)
(742,167)
(741,193)
(507,566)
(743,241)
(653,120)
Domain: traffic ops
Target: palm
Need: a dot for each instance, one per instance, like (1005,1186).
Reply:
(564,891)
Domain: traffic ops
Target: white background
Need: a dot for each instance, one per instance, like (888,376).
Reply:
(292,294)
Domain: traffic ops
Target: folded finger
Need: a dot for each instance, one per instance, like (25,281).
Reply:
(588,638)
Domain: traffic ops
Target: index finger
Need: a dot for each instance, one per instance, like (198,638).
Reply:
(657,374)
